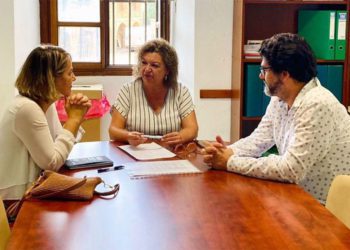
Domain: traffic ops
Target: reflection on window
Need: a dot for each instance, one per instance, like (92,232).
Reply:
(78,10)
(83,43)
(131,24)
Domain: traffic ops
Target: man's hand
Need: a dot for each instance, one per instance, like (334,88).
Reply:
(216,154)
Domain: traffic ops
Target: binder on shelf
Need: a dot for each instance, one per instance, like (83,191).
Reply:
(265,102)
(335,78)
(325,31)
(322,74)
(318,29)
(331,77)
(253,91)
(340,41)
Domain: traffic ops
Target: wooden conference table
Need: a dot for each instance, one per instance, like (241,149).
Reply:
(213,210)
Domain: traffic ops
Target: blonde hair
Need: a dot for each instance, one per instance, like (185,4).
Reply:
(168,55)
(36,79)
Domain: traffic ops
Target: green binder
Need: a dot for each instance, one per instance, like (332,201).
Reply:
(318,29)
(253,91)
(340,41)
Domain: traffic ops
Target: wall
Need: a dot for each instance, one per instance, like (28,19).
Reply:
(19,32)
(27,30)
(203,39)
(7,53)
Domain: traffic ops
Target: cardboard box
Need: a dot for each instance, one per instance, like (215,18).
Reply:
(93,91)
(92,127)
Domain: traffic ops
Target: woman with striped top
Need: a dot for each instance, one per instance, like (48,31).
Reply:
(155,103)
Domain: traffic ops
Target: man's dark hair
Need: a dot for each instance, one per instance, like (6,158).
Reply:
(290,52)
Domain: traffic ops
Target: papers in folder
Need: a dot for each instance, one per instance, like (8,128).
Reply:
(155,168)
(147,151)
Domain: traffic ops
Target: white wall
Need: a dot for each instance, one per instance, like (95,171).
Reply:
(183,39)
(7,53)
(27,30)
(202,36)
(20,33)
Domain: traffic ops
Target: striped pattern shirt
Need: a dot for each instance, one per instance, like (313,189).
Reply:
(132,104)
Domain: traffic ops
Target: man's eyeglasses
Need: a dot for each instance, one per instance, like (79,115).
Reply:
(263,70)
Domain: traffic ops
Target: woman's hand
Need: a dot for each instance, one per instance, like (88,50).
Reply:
(76,106)
(79,99)
(172,138)
(135,138)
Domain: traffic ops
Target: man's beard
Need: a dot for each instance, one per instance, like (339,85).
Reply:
(273,88)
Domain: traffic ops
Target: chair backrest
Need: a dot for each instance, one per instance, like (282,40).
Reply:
(4,227)
(338,199)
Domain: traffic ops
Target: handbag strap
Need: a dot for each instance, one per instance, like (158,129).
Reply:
(72,187)
(114,190)
(14,208)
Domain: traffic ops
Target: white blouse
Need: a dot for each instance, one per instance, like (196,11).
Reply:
(27,146)
(132,104)
(312,138)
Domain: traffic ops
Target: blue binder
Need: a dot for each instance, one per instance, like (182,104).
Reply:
(331,77)
(253,91)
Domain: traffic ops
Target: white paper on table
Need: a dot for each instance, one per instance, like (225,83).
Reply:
(154,168)
(147,151)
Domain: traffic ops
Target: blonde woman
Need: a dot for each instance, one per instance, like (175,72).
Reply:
(28,141)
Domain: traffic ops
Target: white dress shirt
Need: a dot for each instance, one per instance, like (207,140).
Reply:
(312,138)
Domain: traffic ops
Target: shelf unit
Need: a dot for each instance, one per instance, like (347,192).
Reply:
(260,19)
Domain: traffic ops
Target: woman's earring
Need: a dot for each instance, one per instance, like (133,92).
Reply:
(166,77)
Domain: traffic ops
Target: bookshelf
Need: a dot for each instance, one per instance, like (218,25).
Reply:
(260,19)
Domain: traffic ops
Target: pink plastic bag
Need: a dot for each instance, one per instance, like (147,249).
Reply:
(98,109)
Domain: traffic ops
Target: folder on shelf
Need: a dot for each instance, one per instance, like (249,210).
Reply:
(265,102)
(340,41)
(335,78)
(253,91)
(322,74)
(331,77)
(318,29)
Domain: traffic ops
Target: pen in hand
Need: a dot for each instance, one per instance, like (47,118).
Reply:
(154,137)
(101,170)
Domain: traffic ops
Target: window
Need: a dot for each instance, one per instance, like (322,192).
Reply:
(103,35)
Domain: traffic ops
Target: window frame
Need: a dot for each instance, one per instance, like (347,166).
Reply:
(49,34)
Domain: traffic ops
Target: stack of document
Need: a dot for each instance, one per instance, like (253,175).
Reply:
(156,168)
(147,151)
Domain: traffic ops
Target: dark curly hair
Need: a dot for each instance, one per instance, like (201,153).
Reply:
(290,52)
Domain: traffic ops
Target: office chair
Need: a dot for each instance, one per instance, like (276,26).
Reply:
(338,199)
(4,227)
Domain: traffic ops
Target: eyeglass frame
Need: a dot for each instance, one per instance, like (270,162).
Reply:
(185,151)
(264,69)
